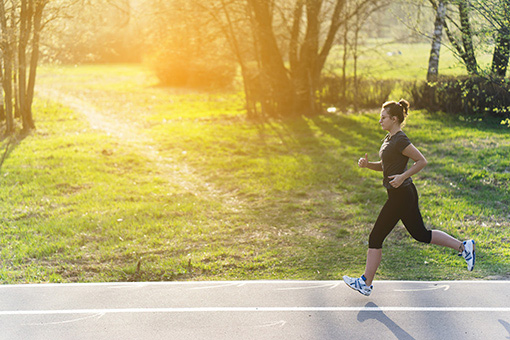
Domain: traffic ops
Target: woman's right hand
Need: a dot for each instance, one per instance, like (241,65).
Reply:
(363,162)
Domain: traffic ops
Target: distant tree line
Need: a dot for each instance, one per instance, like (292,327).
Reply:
(280,46)
(277,50)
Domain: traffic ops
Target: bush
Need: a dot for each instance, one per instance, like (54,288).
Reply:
(463,95)
(373,93)
(175,69)
(187,48)
(370,93)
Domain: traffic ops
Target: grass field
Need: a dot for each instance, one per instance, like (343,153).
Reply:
(381,59)
(124,180)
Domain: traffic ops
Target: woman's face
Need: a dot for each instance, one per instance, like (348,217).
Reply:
(387,121)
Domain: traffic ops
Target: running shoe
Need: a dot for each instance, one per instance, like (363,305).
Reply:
(469,254)
(358,284)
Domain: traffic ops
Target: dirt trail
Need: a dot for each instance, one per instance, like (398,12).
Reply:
(178,174)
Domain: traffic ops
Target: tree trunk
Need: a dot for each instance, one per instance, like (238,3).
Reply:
(467,38)
(281,91)
(355,56)
(7,74)
(35,55)
(230,31)
(306,71)
(15,62)
(294,35)
(344,64)
(2,99)
(304,75)
(433,69)
(22,64)
(501,53)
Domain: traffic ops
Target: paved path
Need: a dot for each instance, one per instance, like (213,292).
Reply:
(256,310)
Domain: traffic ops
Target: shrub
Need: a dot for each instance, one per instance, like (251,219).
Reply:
(186,49)
(370,93)
(175,68)
(463,95)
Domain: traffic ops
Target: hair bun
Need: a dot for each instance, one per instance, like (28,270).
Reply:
(405,104)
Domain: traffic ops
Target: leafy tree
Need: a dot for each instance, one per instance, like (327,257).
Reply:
(293,40)
(96,31)
(21,23)
(493,19)
(186,47)
(497,15)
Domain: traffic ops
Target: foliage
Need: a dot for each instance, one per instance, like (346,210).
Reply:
(464,95)
(186,50)
(360,92)
(94,31)
(497,15)
(175,69)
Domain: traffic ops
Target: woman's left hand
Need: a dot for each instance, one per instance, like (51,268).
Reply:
(397,180)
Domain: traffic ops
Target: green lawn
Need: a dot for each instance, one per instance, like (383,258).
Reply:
(381,59)
(179,185)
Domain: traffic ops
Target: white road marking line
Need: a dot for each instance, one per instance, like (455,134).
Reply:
(254,309)
(216,285)
(92,316)
(328,285)
(280,324)
(263,282)
(445,287)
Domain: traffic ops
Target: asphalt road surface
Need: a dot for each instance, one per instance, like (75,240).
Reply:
(256,310)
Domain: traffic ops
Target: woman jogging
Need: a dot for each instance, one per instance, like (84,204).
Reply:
(402,203)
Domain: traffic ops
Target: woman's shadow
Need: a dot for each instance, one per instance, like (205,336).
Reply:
(385,320)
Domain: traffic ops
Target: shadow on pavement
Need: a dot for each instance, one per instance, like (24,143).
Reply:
(385,320)
(506,325)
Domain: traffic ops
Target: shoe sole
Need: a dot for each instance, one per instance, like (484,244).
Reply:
(359,291)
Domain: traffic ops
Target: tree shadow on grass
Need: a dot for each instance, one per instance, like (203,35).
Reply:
(336,190)
(9,144)
(304,136)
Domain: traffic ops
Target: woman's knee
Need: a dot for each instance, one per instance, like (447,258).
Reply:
(375,241)
(425,236)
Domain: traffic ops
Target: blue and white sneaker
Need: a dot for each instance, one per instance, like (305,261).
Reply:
(358,284)
(469,254)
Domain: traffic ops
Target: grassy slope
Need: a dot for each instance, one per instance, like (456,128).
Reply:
(251,200)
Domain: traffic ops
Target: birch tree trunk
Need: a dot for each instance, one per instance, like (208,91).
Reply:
(433,68)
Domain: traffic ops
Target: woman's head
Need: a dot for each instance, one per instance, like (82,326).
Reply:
(399,110)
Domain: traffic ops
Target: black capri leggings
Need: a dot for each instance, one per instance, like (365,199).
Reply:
(402,204)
